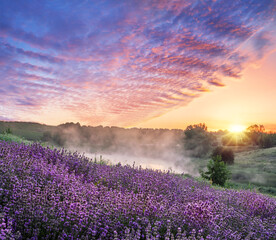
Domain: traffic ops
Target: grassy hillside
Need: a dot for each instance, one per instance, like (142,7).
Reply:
(53,194)
(26,130)
(254,168)
(13,138)
(257,167)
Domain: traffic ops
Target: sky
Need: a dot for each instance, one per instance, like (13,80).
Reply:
(144,63)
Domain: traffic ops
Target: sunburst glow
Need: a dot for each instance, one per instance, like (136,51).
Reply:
(237,128)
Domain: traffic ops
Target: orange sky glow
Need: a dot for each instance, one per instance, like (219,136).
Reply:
(150,64)
(246,101)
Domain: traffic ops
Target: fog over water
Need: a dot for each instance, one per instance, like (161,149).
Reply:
(168,162)
(160,149)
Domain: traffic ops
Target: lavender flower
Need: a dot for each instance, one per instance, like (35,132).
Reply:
(55,194)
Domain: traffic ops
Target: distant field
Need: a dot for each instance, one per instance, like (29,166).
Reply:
(29,131)
(256,167)
(253,169)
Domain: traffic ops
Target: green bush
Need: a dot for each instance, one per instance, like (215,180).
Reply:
(217,171)
(227,155)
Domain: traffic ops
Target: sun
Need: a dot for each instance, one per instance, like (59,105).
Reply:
(237,128)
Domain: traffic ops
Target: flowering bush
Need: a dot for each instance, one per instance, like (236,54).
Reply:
(55,194)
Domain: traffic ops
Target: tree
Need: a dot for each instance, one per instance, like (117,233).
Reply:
(217,171)
(256,128)
(197,140)
(195,129)
(227,155)
(255,133)
(258,136)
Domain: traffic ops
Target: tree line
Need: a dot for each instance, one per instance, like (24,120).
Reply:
(253,135)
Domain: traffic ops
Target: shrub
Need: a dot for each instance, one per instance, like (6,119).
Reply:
(227,155)
(217,171)
(8,131)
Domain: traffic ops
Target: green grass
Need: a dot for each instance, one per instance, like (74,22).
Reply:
(254,169)
(30,135)
(271,191)
(27,130)
(12,138)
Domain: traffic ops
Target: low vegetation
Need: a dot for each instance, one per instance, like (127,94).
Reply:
(54,194)
(12,138)
(217,171)
(255,169)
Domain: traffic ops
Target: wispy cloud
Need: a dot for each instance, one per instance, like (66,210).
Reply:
(119,62)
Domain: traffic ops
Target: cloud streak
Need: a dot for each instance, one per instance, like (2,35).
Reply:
(121,62)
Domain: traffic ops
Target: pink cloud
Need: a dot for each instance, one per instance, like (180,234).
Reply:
(123,62)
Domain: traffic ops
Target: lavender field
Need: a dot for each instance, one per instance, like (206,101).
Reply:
(55,194)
